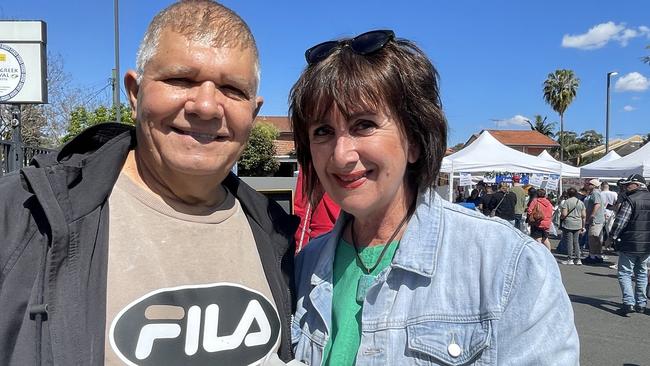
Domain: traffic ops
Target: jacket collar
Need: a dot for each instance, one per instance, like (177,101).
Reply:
(84,172)
(418,248)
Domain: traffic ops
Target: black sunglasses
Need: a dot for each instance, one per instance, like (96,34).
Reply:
(363,44)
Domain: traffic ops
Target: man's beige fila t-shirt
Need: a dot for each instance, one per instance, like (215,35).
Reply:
(184,289)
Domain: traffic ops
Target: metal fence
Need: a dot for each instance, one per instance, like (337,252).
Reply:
(13,159)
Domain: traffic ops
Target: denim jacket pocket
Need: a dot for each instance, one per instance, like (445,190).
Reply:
(449,343)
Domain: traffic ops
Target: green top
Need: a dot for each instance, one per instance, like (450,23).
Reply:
(520,207)
(345,337)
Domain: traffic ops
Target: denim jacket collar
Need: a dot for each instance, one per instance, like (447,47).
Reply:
(420,240)
(422,237)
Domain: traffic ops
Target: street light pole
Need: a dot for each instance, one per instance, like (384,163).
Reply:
(116,75)
(609,76)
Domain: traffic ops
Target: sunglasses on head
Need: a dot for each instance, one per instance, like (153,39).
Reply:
(363,44)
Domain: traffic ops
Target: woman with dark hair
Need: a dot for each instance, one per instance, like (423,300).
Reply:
(540,213)
(405,277)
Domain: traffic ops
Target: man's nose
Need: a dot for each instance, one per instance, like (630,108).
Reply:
(205,101)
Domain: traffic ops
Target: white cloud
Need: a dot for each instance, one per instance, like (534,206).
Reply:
(628,108)
(633,81)
(599,35)
(517,120)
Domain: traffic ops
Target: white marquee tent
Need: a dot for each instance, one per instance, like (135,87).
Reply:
(567,170)
(487,154)
(610,156)
(637,162)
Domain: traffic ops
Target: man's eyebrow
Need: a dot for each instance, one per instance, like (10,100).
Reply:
(176,69)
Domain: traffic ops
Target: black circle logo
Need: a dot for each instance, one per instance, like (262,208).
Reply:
(217,324)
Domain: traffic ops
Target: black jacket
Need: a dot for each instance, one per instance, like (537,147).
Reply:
(54,246)
(635,237)
(504,204)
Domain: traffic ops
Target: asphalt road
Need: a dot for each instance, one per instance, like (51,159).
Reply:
(606,338)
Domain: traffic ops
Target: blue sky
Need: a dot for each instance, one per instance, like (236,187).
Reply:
(493,56)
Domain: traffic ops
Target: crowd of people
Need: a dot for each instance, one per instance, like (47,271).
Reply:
(587,219)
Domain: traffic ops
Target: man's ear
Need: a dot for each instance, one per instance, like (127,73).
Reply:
(132,87)
(258,105)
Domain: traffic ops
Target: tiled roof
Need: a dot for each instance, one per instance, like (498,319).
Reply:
(523,138)
(283,147)
(282,123)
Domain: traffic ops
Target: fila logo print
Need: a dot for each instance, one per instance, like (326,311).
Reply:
(195,325)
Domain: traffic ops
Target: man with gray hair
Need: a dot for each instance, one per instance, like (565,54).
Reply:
(189,266)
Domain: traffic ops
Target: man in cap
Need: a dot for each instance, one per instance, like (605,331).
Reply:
(631,238)
(137,245)
(595,222)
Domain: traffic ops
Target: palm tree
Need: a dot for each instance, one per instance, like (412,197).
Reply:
(646,59)
(559,91)
(541,126)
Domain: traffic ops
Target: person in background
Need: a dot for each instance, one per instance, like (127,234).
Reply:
(572,223)
(609,202)
(486,199)
(387,285)
(520,206)
(503,203)
(595,222)
(539,226)
(631,238)
(474,197)
(582,194)
(315,218)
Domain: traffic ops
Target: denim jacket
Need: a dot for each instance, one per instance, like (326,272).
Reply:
(462,289)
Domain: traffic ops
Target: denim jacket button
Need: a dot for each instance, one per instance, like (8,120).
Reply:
(454,350)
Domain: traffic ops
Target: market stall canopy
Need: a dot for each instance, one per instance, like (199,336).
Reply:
(567,170)
(637,162)
(610,156)
(487,154)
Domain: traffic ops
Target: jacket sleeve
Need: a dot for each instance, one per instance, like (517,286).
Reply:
(537,325)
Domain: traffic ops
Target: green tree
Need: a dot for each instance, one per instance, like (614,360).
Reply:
(572,146)
(560,89)
(81,118)
(646,59)
(590,139)
(646,139)
(541,126)
(258,158)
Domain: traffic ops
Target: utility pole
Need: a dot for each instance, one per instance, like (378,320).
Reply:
(116,72)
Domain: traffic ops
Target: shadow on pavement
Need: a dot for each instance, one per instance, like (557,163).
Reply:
(602,275)
(612,307)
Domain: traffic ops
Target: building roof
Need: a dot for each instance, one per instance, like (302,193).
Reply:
(519,138)
(622,146)
(283,148)
(282,123)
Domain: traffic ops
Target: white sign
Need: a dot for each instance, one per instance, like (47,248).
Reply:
(553,181)
(536,180)
(23,65)
(465,179)
(12,72)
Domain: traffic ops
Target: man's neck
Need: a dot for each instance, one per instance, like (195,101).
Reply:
(190,195)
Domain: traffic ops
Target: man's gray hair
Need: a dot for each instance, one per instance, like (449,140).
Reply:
(198,20)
